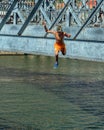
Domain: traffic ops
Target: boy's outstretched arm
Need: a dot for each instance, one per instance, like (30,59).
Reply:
(45,27)
(67,35)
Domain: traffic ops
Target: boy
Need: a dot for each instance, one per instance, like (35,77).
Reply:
(59,44)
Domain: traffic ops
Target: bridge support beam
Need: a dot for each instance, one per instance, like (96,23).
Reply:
(8,14)
(36,7)
(90,17)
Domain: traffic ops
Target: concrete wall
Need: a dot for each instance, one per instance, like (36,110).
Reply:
(76,49)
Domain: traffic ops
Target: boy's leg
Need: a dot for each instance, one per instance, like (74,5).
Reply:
(56,51)
(56,59)
(63,51)
(56,56)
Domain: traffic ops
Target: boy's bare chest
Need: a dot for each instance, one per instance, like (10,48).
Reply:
(59,36)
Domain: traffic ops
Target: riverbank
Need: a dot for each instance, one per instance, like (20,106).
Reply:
(10,53)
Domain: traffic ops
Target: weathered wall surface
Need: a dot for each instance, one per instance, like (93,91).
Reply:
(75,49)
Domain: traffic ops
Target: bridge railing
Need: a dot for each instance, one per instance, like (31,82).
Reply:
(4,6)
(81,10)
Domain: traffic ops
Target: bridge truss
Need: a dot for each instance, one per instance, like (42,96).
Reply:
(69,13)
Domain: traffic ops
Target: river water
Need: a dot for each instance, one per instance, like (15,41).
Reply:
(34,96)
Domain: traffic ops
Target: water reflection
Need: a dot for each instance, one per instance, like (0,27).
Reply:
(36,96)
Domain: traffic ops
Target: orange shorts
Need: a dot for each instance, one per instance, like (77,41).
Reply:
(60,47)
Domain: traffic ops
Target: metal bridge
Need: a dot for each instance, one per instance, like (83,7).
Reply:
(70,13)
(77,14)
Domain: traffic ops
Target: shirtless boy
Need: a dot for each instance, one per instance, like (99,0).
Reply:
(59,44)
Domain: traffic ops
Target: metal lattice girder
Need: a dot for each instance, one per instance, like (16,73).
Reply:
(43,11)
(90,17)
(8,14)
(74,16)
(21,16)
(51,4)
(36,7)
(17,11)
(58,17)
(45,15)
(84,2)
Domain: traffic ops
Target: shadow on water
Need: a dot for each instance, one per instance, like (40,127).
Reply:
(76,85)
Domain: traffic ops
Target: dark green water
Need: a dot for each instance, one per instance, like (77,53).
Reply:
(34,96)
